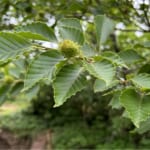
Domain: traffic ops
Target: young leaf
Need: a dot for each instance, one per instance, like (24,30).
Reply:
(136,105)
(101,69)
(37,31)
(142,80)
(68,81)
(104,26)
(42,68)
(71,29)
(12,45)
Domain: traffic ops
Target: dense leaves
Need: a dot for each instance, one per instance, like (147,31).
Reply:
(109,72)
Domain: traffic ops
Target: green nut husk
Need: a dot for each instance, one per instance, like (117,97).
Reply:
(69,48)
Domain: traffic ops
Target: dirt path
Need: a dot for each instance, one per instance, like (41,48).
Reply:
(42,142)
(9,141)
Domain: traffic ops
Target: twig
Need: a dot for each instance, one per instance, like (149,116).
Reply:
(115,44)
(132,30)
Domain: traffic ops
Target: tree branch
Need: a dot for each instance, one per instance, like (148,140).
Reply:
(146,15)
(132,30)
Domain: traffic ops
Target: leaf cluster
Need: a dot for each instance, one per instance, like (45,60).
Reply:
(109,72)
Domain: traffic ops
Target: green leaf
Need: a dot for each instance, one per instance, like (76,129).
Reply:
(16,68)
(114,58)
(37,31)
(101,69)
(42,68)
(146,44)
(130,56)
(68,81)
(87,50)
(15,89)
(4,93)
(32,92)
(12,45)
(70,22)
(100,85)
(145,69)
(71,29)
(115,101)
(104,27)
(144,127)
(136,105)
(142,80)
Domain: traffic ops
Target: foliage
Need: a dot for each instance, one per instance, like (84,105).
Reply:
(90,130)
(22,125)
(113,64)
(14,119)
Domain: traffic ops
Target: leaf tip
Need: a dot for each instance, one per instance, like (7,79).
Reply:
(57,105)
